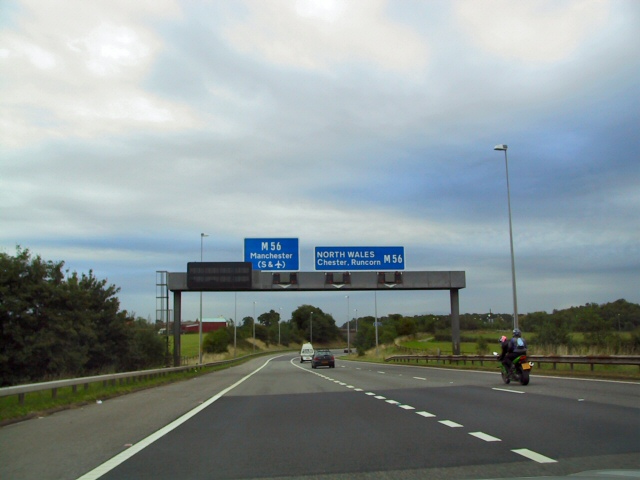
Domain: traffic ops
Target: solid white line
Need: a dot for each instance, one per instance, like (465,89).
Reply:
(485,437)
(536,457)
(505,390)
(145,442)
(449,423)
(425,414)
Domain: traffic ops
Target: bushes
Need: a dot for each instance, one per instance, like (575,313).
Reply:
(217,341)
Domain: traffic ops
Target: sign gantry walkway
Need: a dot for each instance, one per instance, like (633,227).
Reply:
(239,276)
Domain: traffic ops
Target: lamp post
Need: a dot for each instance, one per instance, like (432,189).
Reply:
(254,327)
(503,148)
(202,235)
(356,310)
(235,322)
(310,327)
(375,299)
(348,328)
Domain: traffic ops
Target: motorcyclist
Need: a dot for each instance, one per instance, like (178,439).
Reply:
(516,347)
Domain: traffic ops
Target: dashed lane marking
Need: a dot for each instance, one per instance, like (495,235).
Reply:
(485,437)
(536,457)
(425,414)
(506,390)
(451,424)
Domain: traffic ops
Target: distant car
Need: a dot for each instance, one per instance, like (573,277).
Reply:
(323,358)
(306,353)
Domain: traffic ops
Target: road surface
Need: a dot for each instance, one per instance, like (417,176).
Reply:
(276,418)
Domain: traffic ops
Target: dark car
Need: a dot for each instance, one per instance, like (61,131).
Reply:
(323,358)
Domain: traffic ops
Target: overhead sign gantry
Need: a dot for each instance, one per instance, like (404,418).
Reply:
(240,276)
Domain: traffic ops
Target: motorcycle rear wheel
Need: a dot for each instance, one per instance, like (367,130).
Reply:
(524,377)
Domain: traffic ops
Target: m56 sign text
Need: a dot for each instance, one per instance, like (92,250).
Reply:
(359,258)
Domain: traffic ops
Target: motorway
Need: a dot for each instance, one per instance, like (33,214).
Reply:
(276,418)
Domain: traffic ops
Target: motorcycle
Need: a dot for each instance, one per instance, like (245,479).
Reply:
(518,372)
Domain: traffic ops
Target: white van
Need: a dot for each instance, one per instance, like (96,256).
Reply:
(306,353)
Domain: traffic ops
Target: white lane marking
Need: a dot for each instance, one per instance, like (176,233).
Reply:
(370,393)
(419,378)
(109,465)
(393,402)
(358,390)
(407,407)
(425,414)
(536,457)
(350,386)
(451,424)
(485,437)
(382,373)
(380,397)
(505,390)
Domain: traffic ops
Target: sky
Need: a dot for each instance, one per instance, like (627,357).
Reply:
(127,129)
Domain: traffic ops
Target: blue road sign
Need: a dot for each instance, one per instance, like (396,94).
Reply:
(359,258)
(272,254)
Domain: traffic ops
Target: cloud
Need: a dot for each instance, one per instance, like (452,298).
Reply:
(85,64)
(541,31)
(319,35)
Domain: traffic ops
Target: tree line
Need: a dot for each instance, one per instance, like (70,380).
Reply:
(56,324)
(308,323)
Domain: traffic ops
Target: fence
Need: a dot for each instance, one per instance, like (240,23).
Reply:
(125,377)
(551,359)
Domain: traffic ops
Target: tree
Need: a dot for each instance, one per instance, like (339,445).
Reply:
(52,326)
(269,318)
(324,326)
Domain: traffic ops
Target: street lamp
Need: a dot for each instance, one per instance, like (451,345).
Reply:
(375,299)
(202,235)
(356,310)
(348,328)
(254,327)
(503,148)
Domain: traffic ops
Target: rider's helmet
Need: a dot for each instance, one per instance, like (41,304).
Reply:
(517,332)
(503,339)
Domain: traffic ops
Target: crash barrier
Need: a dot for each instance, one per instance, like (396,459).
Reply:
(109,379)
(552,359)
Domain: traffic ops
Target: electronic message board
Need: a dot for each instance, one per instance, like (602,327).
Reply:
(219,276)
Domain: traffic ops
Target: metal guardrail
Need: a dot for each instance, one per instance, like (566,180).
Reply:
(550,359)
(21,390)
